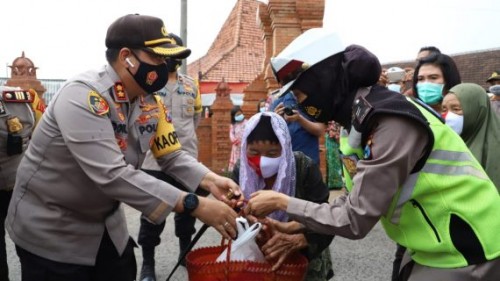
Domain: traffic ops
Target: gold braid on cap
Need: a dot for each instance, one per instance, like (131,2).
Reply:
(158,41)
(162,51)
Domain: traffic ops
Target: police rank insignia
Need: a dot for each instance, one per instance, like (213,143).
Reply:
(18,96)
(120,92)
(97,104)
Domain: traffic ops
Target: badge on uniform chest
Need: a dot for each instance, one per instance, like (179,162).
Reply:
(14,125)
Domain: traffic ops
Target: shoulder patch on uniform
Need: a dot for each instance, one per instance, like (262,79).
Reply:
(350,163)
(18,96)
(97,104)
(361,109)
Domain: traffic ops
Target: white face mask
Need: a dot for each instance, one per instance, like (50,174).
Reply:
(262,109)
(455,121)
(269,166)
(394,87)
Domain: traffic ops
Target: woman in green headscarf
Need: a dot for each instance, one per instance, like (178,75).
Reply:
(467,109)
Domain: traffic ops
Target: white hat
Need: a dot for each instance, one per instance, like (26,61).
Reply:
(306,50)
(395,74)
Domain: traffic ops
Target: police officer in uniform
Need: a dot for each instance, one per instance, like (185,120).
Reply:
(20,111)
(182,97)
(414,174)
(65,215)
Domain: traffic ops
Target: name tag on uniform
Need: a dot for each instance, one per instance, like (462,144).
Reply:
(17,96)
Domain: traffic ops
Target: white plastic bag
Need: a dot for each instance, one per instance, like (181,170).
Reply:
(244,248)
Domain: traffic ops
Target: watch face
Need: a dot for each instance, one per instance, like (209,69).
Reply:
(190,202)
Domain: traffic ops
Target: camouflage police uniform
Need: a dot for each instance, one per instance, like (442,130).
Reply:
(19,113)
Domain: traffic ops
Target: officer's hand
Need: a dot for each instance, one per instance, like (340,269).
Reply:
(264,202)
(224,189)
(218,215)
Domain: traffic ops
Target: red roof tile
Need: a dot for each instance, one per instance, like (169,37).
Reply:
(237,53)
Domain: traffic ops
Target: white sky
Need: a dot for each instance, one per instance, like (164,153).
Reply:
(66,37)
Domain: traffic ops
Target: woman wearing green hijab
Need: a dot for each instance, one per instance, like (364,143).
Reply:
(467,109)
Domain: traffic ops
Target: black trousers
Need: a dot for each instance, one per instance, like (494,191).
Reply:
(109,265)
(4,206)
(398,257)
(149,233)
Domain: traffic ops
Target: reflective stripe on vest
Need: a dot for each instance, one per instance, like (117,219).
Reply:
(466,167)
(451,185)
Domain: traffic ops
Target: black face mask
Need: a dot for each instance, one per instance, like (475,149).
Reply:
(331,84)
(151,78)
(327,92)
(173,65)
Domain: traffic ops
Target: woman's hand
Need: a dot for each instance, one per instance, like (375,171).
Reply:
(282,245)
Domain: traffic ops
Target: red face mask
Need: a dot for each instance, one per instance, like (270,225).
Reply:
(254,162)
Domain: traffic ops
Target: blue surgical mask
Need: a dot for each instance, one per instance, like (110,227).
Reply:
(262,109)
(495,89)
(430,93)
(394,87)
(239,117)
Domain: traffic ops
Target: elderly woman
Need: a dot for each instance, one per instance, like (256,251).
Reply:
(267,162)
(467,110)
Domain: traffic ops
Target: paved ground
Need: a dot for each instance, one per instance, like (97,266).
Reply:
(366,259)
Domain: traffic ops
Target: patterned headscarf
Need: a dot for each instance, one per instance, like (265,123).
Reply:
(250,182)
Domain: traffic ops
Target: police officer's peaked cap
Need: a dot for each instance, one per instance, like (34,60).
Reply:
(494,76)
(144,32)
(306,50)
(177,39)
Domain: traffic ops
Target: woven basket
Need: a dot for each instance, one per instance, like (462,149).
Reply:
(202,266)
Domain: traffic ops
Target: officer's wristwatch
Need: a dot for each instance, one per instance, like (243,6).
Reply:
(190,203)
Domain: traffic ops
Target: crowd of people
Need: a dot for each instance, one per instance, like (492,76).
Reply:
(413,148)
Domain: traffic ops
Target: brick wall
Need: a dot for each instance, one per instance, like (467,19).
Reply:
(204,133)
(281,21)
